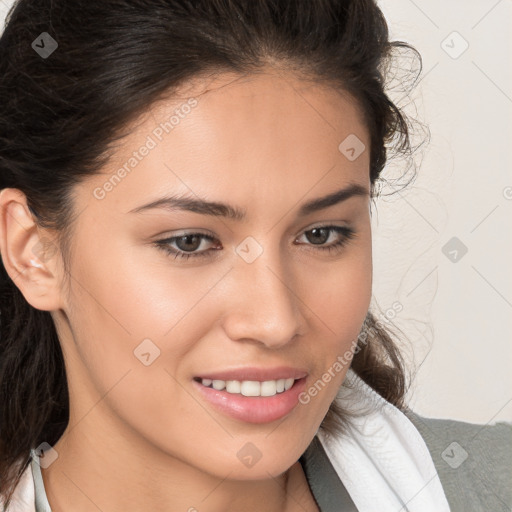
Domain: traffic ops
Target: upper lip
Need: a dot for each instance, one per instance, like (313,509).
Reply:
(254,373)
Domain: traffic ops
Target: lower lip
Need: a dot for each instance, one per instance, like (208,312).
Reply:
(254,409)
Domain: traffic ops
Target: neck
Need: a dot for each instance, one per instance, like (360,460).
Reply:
(95,470)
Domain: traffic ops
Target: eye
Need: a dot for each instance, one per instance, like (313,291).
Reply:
(320,235)
(187,245)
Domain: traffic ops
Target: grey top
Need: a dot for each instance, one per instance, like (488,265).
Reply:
(474,463)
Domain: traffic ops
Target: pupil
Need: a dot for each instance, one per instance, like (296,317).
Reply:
(188,241)
(316,231)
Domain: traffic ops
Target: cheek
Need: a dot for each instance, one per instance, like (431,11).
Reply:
(135,291)
(130,316)
(340,295)
(133,327)
(340,299)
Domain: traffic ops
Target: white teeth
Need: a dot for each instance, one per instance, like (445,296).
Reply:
(232,386)
(288,383)
(219,385)
(268,388)
(250,387)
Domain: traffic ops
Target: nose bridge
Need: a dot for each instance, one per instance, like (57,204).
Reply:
(266,307)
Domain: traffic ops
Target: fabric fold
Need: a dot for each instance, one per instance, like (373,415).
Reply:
(383,460)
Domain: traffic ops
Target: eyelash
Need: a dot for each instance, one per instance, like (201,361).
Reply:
(346,232)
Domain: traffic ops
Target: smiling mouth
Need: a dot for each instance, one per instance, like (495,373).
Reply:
(249,387)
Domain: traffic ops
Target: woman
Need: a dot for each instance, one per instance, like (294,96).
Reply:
(185,236)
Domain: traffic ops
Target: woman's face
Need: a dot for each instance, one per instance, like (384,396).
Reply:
(261,298)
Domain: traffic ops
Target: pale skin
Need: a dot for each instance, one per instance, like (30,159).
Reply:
(141,437)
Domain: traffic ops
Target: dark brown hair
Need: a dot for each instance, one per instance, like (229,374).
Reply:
(60,117)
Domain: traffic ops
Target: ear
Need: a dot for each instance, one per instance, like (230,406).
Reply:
(30,257)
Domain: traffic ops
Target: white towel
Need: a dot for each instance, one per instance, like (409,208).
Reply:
(384,462)
(23,499)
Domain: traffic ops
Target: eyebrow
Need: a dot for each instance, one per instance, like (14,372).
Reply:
(218,209)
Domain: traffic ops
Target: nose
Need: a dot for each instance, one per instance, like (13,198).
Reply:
(264,305)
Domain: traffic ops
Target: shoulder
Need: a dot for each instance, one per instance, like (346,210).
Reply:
(474,461)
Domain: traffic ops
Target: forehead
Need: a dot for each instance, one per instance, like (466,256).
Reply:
(243,135)
(267,101)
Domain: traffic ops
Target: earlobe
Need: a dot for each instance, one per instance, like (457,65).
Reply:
(29,258)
